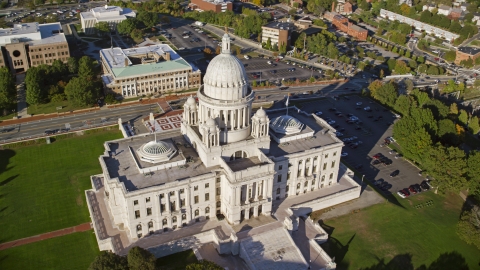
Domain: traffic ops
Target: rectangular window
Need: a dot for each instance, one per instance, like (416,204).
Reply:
(195,188)
(218,191)
(280,167)
(299,174)
(149,211)
(218,179)
(335,153)
(195,199)
(135,202)
(147,199)
(162,207)
(161,196)
(182,191)
(207,196)
(324,166)
(326,155)
(279,178)
(172,193)
(207,185)
(333,163)
(288,176)
(137,214)
(182,202)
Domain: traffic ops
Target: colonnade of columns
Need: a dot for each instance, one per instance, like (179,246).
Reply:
(229,119)
(260,129)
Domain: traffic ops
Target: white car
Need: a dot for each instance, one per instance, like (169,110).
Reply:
(331,122)
(269,62)
(358,103)
(318,113)
(400,193)
(366,108)
(344,154)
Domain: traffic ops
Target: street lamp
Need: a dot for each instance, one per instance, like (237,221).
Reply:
(14,114)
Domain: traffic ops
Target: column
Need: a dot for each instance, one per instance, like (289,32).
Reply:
(257,190)
(245,117)
(179,206)
(187,204)
(255,211)
(167,205)
(232,120)
(238,119)
(247,188)
(247,213)
(265,190)
(238,200)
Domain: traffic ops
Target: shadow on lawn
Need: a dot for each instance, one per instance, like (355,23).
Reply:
(448,260)
(5,156)
(335,248)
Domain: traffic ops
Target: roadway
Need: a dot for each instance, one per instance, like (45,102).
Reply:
(134,114)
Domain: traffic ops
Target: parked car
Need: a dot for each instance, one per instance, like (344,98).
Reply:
(417,188)
(425,186)
(401,194)
(412,189)
(395,173)
(406,192)
(392,152)
(379,182)
(344,154)
(376,162)
(358,103)
(398,156)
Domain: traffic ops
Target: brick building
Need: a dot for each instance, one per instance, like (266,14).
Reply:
(216,6)
(31,44)
(346,26)
(464,53)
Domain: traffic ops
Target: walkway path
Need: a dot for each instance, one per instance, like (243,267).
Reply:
(21,96)
(20,242)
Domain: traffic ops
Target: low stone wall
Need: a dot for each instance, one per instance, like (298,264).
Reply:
(330,264)
(103,244)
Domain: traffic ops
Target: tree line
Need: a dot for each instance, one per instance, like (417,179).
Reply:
(75,81)
(140,259)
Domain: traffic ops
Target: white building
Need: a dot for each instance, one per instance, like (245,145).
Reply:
(147,70)
(224,160)
(110,14)
(444,10)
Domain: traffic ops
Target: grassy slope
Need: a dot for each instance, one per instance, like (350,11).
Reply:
(384,231)
(42,187)
(73,251)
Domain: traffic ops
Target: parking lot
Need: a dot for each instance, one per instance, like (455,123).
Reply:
(363,140)
(259,69)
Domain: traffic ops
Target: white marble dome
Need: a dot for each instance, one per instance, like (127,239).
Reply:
(225,78)
(156,151)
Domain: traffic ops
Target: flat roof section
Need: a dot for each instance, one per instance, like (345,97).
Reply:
(469,50)
(33,33)
(280,25)
(123,166)
(244,163)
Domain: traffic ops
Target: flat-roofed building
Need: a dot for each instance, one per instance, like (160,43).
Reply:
(465,53)
(147,70)
(110,14)
(349,28)
(278,32)
(32,44)
(216,6)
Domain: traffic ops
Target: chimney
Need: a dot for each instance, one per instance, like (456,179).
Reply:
(167,56)
(333,6)
(126,62)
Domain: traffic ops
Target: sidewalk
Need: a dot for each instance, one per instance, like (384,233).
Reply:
(32,239)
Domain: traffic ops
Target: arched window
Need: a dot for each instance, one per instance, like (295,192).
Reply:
(197,212)
(219,204)
(305,184)
(164,221)
(298,185)
(278,190)
(174,219)
(323,178)
(207,210)
(331,175)
(184,216)
(139,227)
(150,224)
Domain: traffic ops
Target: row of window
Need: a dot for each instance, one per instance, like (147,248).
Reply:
(196,213)
(47,61)
(48,48)
(46,55)
(174,219)
(151,77)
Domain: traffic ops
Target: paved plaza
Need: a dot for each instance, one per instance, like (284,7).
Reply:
(172,121)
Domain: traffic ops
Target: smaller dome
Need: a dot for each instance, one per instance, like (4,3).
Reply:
(156,151)
(156,147)
(210,122)
(286,124)
(261,113)
(191,101)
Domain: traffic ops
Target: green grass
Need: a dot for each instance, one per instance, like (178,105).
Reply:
(51,107)
(177,261)
(73,251)
(42,186)
(400,232)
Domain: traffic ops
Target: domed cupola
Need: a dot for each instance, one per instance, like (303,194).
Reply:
(226,78)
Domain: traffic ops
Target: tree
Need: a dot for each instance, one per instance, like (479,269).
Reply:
(408,85)
(473,125)
(374,86)
(391,64)
(447,132)
(86,68)
(401,67)
(268,45)
(422,68)
(8,91)
(137,34)
(102,28)
(72,65)
(387,94)
(468,228)
(463,117)
(415,141)
(203,265)
(473,173)
(420,59)
(140,259)
(450,56)
(408,54)
(403,104)
(109,261)
(448,167)
(149,19)
(454,109)
(80,92)
(126,26)
(421,97)
(33,82)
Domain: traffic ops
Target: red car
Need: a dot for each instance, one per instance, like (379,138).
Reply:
(377,156)
(406,192)
(412,189)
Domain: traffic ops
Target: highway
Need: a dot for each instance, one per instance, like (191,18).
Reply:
(77,121)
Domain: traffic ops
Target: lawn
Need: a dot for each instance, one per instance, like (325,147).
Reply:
(398,234)
(51,107)
(73,251)
(177,261)
(42,186)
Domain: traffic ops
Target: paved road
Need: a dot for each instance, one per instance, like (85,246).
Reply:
(37,128)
